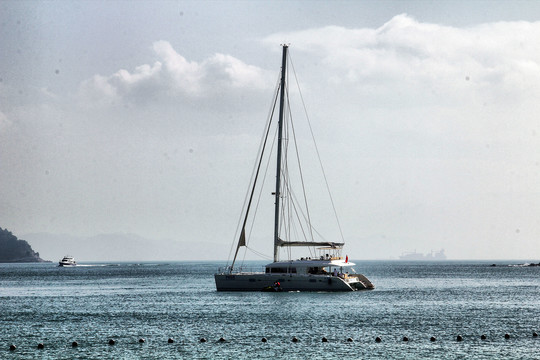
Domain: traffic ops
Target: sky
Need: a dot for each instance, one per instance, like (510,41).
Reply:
(142,120)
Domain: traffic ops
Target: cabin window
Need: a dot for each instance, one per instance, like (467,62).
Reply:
(317,270)
(280,270)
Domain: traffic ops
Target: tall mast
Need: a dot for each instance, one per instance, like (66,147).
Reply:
(280,132)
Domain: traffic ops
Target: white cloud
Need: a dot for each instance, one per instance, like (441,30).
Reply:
(171,75)
(98,89)
(430,82)
(489,59)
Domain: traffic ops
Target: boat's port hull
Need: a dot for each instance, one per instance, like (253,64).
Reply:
(288,282)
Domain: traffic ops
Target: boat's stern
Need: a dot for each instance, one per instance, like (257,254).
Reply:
(360,282)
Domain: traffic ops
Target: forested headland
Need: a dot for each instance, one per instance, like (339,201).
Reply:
(13,249)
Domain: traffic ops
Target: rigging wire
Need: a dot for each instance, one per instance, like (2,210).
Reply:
(292,216)
(261,188)
(262,255)
(302,179)
(254,173)
(317,150)
(293,210)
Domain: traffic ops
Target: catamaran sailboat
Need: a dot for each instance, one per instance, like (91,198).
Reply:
(324,269)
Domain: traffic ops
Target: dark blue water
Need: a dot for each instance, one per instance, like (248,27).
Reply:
(42,303)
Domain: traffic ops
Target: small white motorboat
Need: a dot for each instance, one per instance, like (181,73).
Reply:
(67,261)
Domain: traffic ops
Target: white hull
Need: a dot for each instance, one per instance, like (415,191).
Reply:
(289,282)
(67,261)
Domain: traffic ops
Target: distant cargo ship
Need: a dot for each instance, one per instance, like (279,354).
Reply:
(433,255)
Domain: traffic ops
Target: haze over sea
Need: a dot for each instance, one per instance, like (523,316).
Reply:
(90,304)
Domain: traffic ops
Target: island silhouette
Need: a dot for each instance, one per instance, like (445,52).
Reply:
(14,250)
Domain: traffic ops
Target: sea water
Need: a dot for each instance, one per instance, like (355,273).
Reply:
(93,303)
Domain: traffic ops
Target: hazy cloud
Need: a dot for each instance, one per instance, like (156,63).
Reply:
(4,121)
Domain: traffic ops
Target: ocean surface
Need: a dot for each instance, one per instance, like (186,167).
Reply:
(94,303)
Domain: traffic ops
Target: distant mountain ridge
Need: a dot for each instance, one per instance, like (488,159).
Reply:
(14,250)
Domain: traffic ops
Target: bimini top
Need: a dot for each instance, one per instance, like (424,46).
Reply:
(312,262)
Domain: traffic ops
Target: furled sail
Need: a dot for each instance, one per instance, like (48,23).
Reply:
(242,240)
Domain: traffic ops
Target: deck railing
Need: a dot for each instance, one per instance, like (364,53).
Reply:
(241,269)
